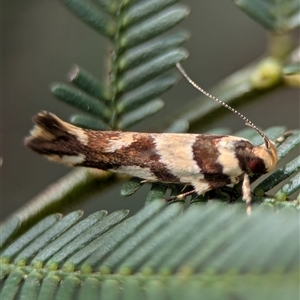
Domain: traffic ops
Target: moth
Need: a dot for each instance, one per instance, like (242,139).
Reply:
(203,161)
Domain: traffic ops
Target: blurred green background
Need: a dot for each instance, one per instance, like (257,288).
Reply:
(42,39)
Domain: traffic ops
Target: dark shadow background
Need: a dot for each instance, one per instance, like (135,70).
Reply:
(41,39)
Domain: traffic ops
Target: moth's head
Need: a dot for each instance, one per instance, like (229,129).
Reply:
(265,157)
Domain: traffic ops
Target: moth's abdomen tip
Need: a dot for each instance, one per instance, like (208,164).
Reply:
(57,140)
(46,133)
(40,118)
(48,121)
(41,114)
(47,127)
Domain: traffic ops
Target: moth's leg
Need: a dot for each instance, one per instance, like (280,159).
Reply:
(145,181)
(185,186)
(247,193)
(181,196)
(284,136)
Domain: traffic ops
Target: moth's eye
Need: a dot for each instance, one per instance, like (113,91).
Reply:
(257,165)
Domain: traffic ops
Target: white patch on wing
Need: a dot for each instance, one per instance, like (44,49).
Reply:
(124,140)
(78,132)
(38,131)
(201,186)
(227,158)
(73,159)
(55,158)
(175,151)
(69,160)
(81,136)
(144,173)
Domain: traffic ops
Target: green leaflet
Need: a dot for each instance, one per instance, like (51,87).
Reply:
(202,248)
(138,58)
(275,15)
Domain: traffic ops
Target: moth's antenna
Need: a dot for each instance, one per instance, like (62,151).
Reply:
(247,121)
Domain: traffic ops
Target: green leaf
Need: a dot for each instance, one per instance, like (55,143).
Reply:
(141,113)
(292,69)
(292,74)
(90,289)
(136,61)
(83,238)
(88,122)
(179,126)
(153,26)
(138,76)
(8,229)
(68,288)
(13,283)
(49,287)
(157,191)
(24,256)
(119,259)
(143,9)
(81,100)
(58,246)
(91,15)
(30,236)
(91,257)
(289,188)
(146,92)
(31,286)
(275,15)
(149,50)
(243,258)
(131,186)
(290,143)
(87,82)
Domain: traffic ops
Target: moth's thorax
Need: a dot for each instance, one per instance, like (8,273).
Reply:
(268,155)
